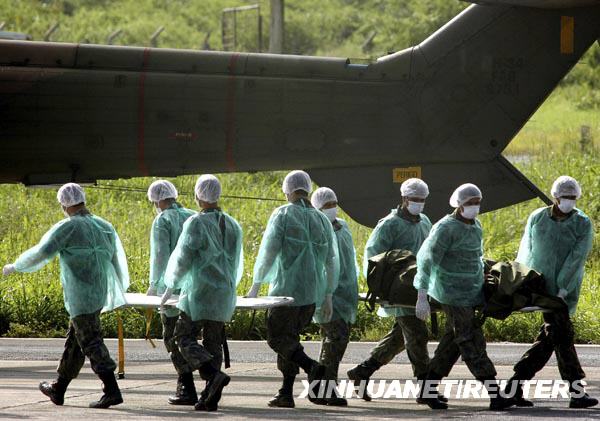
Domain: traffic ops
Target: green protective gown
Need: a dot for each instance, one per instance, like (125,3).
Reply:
(391,233)
(166,229)
(558,249)
(207,265)
(450,264)
(345,296)
(93,267)
(298,254)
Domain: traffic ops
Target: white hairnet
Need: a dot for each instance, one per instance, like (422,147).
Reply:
(414,187)
(463,194)
(297,180)
(566,186)
(70,194)
(321,196)
(208,188)
(161,190)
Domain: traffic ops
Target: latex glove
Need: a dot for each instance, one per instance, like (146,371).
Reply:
(327,308)
(151,291)
(562,293)
(422,308)
(165,297)
(8,269)
(254,290)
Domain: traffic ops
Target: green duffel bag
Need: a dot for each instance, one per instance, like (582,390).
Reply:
(511,286)
(390,278)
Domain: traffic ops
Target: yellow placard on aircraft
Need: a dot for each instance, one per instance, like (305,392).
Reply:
(567,34)
(400,175)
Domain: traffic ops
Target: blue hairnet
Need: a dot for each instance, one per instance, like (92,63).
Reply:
(321,196)
(463,194)
(414,187)
(70,194)
(161,190)
(208,188)
(297,180)
(566,186)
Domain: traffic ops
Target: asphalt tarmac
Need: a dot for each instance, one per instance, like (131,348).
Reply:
(150,379)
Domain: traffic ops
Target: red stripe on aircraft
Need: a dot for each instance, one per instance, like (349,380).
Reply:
(230,114)
(141,134)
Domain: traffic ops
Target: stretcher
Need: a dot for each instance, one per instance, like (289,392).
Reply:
(363,297)
(150,303)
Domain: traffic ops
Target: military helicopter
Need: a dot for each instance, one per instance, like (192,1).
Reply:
(443,110)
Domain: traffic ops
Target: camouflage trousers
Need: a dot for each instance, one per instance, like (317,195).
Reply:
(284,325)
(556,335)
(463,337)
(408,333)
(168,325)
(336,335)
(186,334)
(84,339)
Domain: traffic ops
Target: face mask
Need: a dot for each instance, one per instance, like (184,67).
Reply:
(66,213)
(566,205)
(415,208)
(470,212)
(157,210)
(330,213)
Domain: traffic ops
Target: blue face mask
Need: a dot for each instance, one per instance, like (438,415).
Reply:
(470,212)
(566,205)
(330,213)
(415,208)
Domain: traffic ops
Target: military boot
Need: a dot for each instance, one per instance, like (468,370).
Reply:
(422,400)
(282,400)
(497,402)
(185,394)
(317,372)
(285,396)
(584,401)
(55,390)
(580,402)
(363,372)
(514,387)
(201,404)
(214,390)
(112,394)
(336,399)
(429,385)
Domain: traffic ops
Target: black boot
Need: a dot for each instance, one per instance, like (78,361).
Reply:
(201,404)
(585,401)
(440,396)
(497,402)
(112,394)
(55,390)
(363,372)
(336,399)
(285,396)
(317,372)
(185,394)
(514,388)
(579,398)
(429,387)
(214,390)
(282,400)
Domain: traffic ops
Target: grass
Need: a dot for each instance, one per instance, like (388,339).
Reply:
(31,305)
(557,125)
